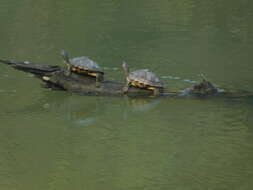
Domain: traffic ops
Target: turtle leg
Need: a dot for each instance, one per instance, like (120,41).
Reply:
(156,91)
(68,70)
(97,82)
(126,87)
(99,79)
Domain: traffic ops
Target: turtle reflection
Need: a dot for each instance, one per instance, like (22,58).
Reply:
(143,104)
(83,113)
(82,117)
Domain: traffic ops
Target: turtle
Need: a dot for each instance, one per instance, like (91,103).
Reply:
(203,88)
(142,79)
(83,65)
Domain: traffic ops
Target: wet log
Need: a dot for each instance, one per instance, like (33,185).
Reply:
(37,70)
(86,85)
(54,77)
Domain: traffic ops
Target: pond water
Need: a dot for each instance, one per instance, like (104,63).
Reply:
(57,140)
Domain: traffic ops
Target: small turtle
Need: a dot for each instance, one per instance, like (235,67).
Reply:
(203,88)
(143,79)
(83,65)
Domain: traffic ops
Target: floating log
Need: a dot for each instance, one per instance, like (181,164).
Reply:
(37,70)
(86,85)
(55,77)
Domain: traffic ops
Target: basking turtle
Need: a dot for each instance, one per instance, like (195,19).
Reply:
(83,65)
(203,88)
(142,79)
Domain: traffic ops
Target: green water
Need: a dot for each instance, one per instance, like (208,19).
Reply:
(57,140)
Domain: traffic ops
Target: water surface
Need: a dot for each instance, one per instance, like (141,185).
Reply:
(57,140)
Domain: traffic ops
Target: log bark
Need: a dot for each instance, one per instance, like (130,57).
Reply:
(54,77)
(86,85)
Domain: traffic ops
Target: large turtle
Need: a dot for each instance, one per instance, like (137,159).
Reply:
(83,65)
(143,79)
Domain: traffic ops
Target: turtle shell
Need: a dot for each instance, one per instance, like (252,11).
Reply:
(85,63)
(144,78)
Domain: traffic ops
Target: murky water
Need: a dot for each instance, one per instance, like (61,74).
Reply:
(56,140)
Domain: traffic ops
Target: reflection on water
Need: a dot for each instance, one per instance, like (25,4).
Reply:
(144,104)
(91,111)
(84,118)
(145,143)
(56,140)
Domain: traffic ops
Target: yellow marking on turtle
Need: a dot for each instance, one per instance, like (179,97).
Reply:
(141,85)
(92,74)
(83,71)
(151,88)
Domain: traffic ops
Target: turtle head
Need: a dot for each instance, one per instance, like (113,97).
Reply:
(203,77)
(125,68)
(65,56)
